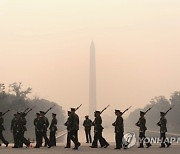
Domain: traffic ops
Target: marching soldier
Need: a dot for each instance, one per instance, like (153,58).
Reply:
(13,130)
(68,125)
(2,129)
(163,129)
(74,127)
(53,129)
(142,130)
(18,128)
(23,123)
(87,126)
(119,129)
(98,131)
(37,131)
(44,124)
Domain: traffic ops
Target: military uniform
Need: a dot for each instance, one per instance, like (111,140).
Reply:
(37,131)
(44,124)
(119,129)
(13,130)
(142,130)
(53,129)
(2,129)
(68,125)
(73,128)
(163,129)
(24,129)
(87,126)
(97,123)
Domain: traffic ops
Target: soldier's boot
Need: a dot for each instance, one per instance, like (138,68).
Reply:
(162,145)
(77,145)
(168,145)
(141,145)
(148,145)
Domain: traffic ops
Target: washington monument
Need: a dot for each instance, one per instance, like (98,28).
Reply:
(92,81)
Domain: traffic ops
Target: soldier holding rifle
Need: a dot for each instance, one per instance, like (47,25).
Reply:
(142,129)
(53,129)
(2,128)
(98,129)
(74,127)
(68,125)
(37,131)
(163,129)
(119,128)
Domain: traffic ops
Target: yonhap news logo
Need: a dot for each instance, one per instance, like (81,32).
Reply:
(129,140)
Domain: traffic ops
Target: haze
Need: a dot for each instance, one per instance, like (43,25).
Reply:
(45,45)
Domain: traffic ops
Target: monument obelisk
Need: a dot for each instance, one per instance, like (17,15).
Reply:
(92,81)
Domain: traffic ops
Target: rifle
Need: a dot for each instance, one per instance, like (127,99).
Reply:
(104,109)
(169,110)
(25,110)
(30,110)
(6,112)
(78,107)
(148,110)
(49,109)
(126,110)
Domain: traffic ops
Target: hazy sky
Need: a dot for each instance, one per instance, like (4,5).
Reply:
(45,44)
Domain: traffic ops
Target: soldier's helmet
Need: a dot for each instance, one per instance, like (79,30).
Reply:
(53,114)
(162,113)
(73,109)
(142,113)
(37,113)
(117,111)
(42,112)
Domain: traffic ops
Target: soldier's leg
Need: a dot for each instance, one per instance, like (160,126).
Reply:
(148,144)
(163,137)
(76,134)
(3,139)
(141,138)
(166,141)
(94,143)
(46,139)
(25,141)
(68,144)
(103,141)
(73,136)
(52,138)
(87,138)
(117,139)
(15,139)
(89,134)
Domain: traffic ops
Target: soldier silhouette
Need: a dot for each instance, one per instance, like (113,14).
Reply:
(2,129)
(98,129)
(68,125)
(53,129)
(142,130)
(87,127)
(163,129)
(73,128)
(119,129)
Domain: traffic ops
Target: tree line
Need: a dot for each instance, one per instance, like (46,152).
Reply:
(15,99)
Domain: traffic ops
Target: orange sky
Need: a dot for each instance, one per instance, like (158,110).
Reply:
(45,45)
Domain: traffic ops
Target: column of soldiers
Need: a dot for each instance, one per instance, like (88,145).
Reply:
(41,123)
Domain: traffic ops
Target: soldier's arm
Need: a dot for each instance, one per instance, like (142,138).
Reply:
(84,123)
